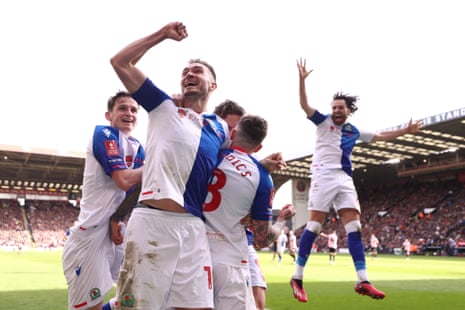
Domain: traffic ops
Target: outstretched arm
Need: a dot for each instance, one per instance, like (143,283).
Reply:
(412,127)
(124,61)
(303,73)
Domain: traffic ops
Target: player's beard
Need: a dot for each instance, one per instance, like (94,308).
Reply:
(194,95)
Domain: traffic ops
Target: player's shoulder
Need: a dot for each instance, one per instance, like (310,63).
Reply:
(105,131)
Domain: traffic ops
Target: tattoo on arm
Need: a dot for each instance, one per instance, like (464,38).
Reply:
(127,205)
(264,234)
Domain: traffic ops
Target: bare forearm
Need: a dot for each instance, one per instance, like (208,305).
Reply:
(124,61)
(265,233)
(412,127)
(303,98)
(127,205)
(125,179)
(133,52)
(389,135)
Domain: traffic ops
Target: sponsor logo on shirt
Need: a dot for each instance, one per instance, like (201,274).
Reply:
(215,235)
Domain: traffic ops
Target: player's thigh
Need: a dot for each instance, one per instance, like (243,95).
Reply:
(323,191)
(192,285)
(233,288)
(346,197)
(256,273)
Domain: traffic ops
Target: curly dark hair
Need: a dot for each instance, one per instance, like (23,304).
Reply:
(349,100)
(228,107)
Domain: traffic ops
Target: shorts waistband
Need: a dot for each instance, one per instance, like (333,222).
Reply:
(144,205)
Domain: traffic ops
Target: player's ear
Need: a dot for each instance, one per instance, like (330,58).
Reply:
(213,86)
(108,116)
(258,148)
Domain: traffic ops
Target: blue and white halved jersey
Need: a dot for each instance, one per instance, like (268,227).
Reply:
(334,144)
(241,185)
(108,150)
(181,149)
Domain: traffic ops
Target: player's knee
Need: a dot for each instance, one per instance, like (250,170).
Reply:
(314,227)
(353,226)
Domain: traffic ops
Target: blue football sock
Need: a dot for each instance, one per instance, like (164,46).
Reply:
(305,246)
(356,250)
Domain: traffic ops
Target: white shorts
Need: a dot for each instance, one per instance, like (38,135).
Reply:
(86,260)
(256,273)
(332,189)
(233,289)
(167,262)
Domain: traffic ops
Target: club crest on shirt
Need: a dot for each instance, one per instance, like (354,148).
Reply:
(129,160)
(95,293)
(127,300)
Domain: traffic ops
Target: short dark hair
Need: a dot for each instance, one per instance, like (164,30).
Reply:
(252,129)
(112,100)
(206,64)
(228,107)
(349,100)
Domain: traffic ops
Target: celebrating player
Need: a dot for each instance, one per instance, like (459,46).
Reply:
(332,184)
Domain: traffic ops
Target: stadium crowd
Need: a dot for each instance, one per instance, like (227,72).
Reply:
(421,212)
(39,224)
(430,214)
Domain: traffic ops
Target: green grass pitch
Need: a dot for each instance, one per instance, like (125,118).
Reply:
(34,280)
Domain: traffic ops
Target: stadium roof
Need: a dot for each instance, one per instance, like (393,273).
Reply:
(40,168)
(439,146)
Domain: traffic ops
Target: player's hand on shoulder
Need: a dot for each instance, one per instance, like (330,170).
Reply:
(178,100)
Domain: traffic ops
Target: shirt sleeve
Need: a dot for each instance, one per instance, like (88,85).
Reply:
(105,147)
